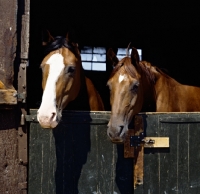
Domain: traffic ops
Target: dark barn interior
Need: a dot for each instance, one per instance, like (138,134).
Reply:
(166,31)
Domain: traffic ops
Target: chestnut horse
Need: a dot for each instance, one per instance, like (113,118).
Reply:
(137,86)
(64,84)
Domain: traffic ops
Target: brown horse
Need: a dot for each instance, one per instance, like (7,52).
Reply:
(64,84)
(137,86)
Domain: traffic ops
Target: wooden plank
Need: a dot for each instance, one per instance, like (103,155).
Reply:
(168,163)
(138,153)
(151,157)
(124,172)
(8,96)
(128,149)
(179,118)
(71,149)
(8,41)
(106,153)
(13,177)
(89,171)
(42,157)
(182,158)
(194,157)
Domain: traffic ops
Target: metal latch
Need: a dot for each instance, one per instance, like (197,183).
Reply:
(149,142)
(135,141)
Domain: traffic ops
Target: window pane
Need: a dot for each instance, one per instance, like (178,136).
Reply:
(86,49)
(86,57)
(99,50)
(97,57)
(99,66)
(120,56)
(121,51)
(87,65)
(139,51)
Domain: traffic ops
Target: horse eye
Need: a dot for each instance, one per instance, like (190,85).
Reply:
(135,87)
(71,70)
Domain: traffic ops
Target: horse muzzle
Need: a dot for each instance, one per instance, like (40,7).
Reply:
(116,135)
(48,121)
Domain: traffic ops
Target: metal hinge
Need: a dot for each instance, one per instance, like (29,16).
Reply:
(22,141)
(22,82)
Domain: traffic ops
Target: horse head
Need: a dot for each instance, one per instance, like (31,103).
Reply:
(126,93)
(61,79)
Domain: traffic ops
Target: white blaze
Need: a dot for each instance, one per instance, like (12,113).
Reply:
(56,66)
(121,78)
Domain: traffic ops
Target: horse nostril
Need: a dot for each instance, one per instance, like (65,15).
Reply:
(53,115)
(110,134)
(121,129)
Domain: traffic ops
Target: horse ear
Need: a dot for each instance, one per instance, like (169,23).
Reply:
(112,57)
(72,36)
(46,37)
(134,56)
(68,37)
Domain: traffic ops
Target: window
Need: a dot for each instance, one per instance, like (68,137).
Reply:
(94,58)
(121,53)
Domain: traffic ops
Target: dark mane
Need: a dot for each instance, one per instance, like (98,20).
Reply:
(59,41)
(146,68)
(163,73)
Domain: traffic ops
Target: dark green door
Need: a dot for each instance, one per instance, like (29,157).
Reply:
(77,157)
(177,169)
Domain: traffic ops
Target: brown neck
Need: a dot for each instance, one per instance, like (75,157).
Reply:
(149,94)
(81,102)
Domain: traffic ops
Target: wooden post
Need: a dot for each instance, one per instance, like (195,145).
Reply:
(137,153)
(13,142)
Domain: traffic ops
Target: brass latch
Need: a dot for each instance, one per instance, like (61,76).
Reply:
(149,142)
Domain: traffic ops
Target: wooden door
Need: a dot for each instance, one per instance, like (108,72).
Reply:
(175,169)
(77,157)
